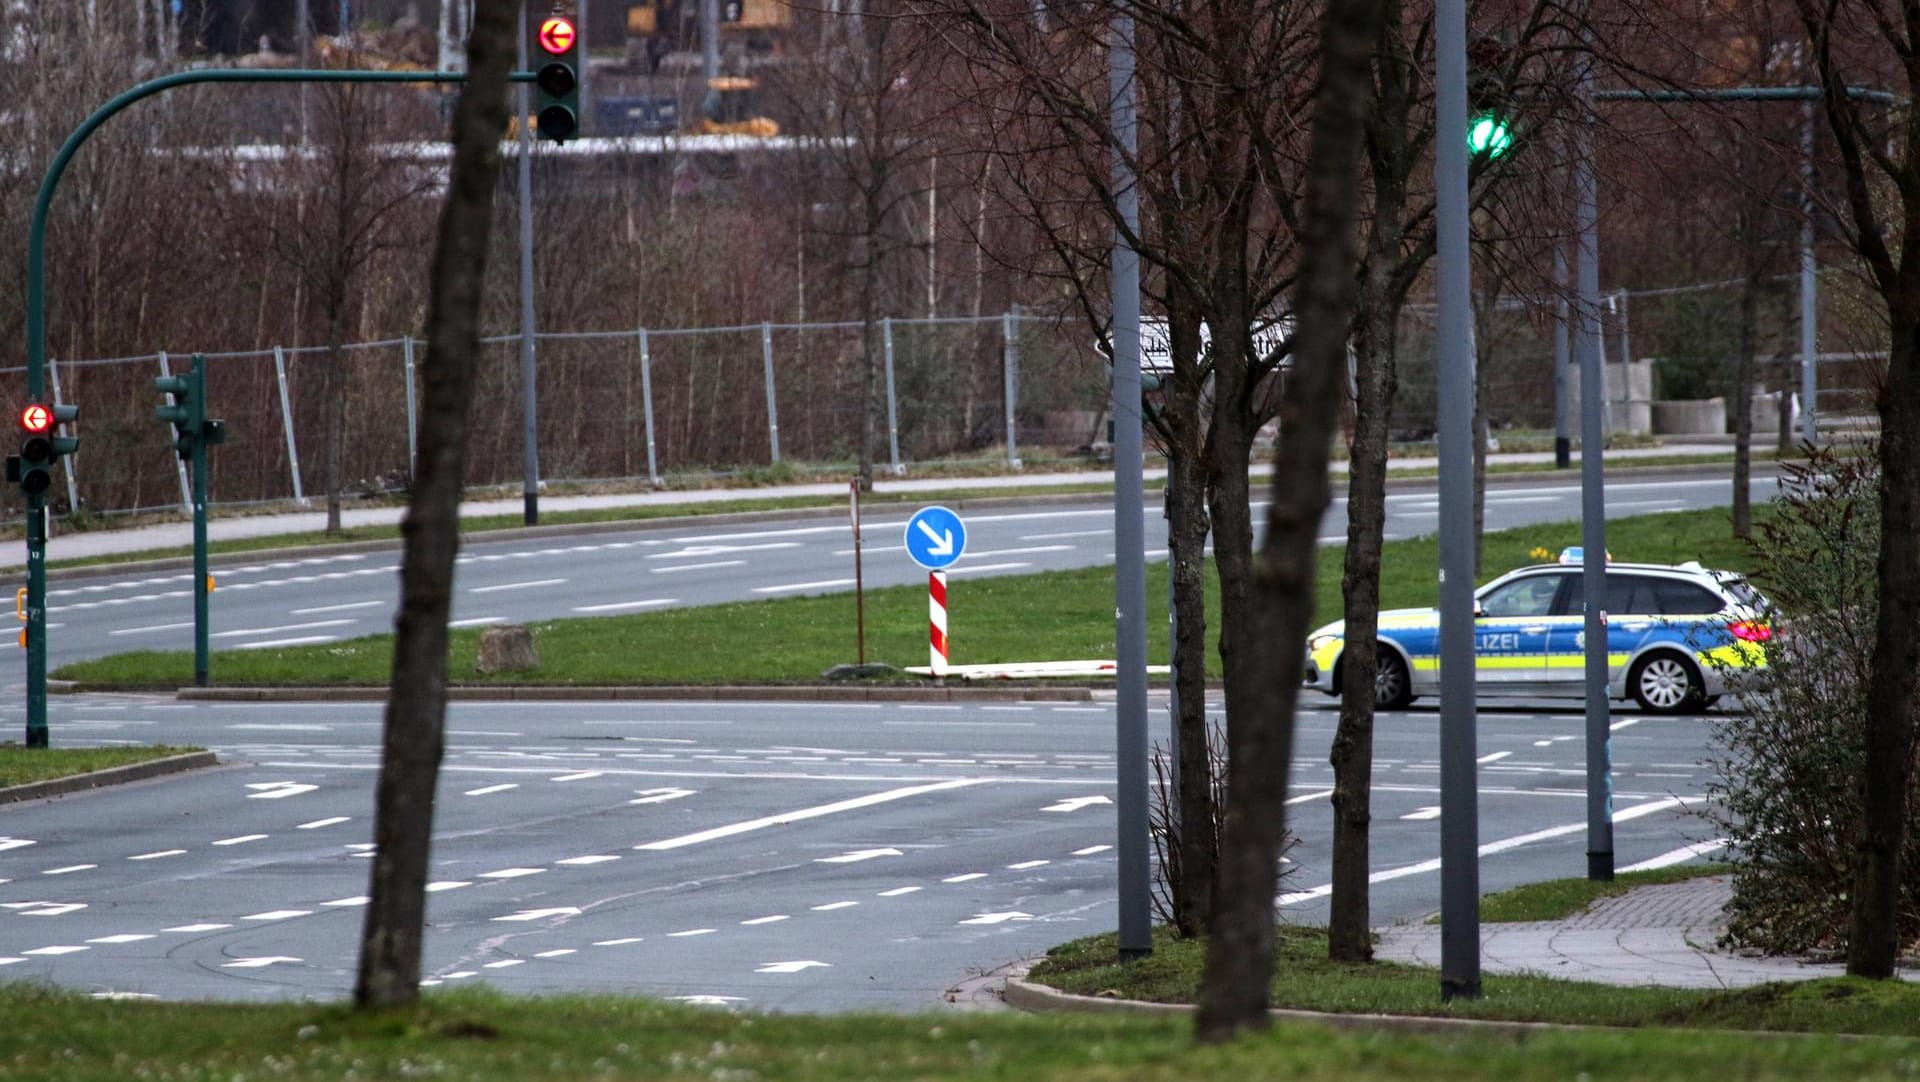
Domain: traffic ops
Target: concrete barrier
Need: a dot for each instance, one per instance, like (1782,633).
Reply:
(1690,417)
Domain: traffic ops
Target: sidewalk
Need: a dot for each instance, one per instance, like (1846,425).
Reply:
(1656,935)
(97,543)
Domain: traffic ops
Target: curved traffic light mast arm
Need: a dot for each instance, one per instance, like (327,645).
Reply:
(37,232)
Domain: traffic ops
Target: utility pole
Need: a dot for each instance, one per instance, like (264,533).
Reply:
(529,372)
(1593,499)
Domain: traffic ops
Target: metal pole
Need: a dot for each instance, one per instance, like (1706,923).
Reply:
(286,420)
(1459,786)
(529,376)
(1809,289)
(773,409)
(646,408)
(1562,445)
(180,465)
(709,45)
(202,673)
(1593,509)
(582,27)
(1129,525)
(893,408)
(36,620)
(1010,360)
(67,462)
(1173,665)
(413,411)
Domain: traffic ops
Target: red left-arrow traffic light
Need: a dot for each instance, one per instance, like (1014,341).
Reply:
(557,36)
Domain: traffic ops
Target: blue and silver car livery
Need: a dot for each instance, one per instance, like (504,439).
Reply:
(1672,632)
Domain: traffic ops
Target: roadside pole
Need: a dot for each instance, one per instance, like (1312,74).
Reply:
(937,626)
(529,370)
(1593,496)
(202,662)
(859,580)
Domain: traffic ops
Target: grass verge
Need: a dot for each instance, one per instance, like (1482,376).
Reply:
(482,1036)
(1051,615)
(23,766)
(1557,899)
(1305,979)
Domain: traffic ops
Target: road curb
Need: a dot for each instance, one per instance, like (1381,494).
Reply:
(664,693)
(114,775)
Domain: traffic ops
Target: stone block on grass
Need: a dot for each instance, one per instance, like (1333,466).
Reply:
(507,648)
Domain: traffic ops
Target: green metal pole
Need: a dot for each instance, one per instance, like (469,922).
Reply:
(37,321)
(202,677)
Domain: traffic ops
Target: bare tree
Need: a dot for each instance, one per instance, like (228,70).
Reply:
(415,735)
(1234,986)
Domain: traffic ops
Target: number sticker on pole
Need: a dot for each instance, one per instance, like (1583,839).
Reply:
(935,538)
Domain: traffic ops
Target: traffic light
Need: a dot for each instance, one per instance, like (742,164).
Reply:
(556,106)
(32,468)
(1489,104)
(186,409)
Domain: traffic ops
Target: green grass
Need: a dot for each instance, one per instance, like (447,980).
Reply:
(1053,615)
(21,766)
(1557,899)
(479,1035)
(1304,979)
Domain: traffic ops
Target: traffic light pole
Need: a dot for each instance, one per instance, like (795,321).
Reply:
(37,316)
(202,671)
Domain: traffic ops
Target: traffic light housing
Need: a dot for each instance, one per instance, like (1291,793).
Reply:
(186,409)
(32,469)
(556,104)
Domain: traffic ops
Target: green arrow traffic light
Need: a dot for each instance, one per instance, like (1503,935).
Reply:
(1489,135)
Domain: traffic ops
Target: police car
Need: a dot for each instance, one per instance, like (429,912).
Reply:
(1672,632)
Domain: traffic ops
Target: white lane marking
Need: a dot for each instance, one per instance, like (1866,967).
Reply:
(831,906)
(477,621)
(958,570)
(120,995)
(332,608)
(505,963)
(1069,534)
(52,909)
(598,858)
(997,918)
(124,937)
(240,839)
(706,1000)
(242,632)
(327,822)
(1076,803)
(619,605)
(459,975)
(814,812)
(694,551)
(1678,856)
(259,963)
(11,961)
(254,727)
(1622,724)
(505,586)
(659,796)
(347,903)
(196,927)
(1025,864)
(447,884)
(557,952)
(271,644)
(581,776)
(69,869)
(896,892)
(775,919)
(697,567)
(1308,798)
(541,914)
(1500,846)
(511,873)
(14,843)
(275,790)
(790,587)
(1091,850)
(690,932)
(279,914)
(855,856)
(1019,551)
(1494,758)
(1418,814)
(56,950)
(968,877)
(150,627)
(618,942)
(486,789)
(790,967)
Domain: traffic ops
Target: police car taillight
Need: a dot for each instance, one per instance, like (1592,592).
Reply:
(1750,630)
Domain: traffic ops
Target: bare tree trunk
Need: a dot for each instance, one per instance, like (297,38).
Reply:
(1187,526)
(389,972)
(1743,390)
(870,404)
(1234,985)
(334,400)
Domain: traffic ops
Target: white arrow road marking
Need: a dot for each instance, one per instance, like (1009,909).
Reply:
(258,963)
(814,812)
(791,967)
(1076,803)
(857,855)
(196,927)
(997,918)
(274,790)
(659,796)
(942,542)
(124,937)
(542,914)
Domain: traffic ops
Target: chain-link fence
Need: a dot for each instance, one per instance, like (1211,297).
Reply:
(646,405)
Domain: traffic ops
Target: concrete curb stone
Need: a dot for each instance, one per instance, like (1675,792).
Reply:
(116,775)
(527,693)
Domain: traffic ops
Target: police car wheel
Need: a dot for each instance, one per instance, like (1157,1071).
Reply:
(1666,684)
(1392,684)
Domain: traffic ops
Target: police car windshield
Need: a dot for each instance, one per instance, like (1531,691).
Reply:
(1743,593)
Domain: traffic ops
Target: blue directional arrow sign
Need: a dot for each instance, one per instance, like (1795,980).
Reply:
(935,537)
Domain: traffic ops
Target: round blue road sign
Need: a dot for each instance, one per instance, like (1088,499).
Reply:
(935,537)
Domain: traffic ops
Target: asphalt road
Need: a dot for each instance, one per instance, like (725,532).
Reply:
(326,598)
(818,857)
